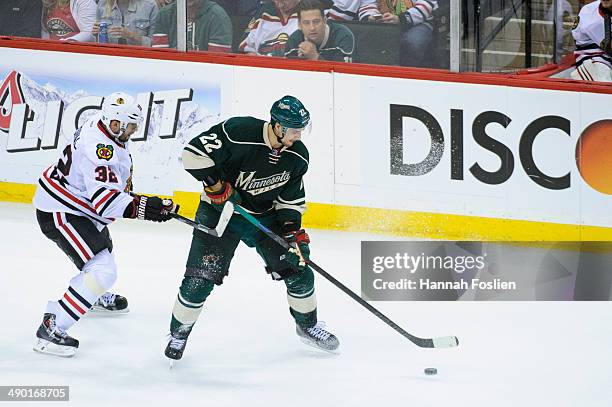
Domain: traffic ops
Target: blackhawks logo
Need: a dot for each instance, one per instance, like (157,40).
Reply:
(104,152)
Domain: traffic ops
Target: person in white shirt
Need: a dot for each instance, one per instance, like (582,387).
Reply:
(593,54)
(270,30)
(354,10)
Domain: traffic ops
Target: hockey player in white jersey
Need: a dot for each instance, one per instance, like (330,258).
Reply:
(593,55)
(76,199)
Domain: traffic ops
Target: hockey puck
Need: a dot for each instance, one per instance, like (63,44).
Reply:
(431,371)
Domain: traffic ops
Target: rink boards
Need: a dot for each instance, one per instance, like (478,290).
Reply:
(420,153)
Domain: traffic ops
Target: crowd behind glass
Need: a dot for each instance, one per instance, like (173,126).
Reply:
(402,32)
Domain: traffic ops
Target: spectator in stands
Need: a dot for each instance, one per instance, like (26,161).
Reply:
(415,17)
(593,53)
(232,7)
(317,38)
(209,28)
(20,18)
(68,20)
(130,22)
(354,10)
(565,15)
(268,33)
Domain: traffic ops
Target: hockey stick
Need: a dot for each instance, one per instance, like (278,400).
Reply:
(217,231)
(439,342)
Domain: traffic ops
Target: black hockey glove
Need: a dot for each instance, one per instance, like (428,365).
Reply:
(151,208)
(299,240)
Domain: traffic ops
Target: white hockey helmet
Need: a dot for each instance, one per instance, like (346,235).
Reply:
(123,108)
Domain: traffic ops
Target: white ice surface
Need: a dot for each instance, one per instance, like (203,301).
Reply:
(244,352)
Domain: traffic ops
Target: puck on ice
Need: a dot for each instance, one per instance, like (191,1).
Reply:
(431,371)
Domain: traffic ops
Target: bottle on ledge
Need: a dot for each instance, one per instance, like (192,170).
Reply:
(103,34)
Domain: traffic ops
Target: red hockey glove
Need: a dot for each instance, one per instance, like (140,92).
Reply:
(299,253)
(226,193)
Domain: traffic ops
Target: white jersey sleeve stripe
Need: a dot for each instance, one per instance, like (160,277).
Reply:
(97,194)
(109,203)
(295,201)
(65,193)
(68,200)
(299,208)
(104,198)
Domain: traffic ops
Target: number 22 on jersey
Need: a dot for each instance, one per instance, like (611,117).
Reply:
(210,142)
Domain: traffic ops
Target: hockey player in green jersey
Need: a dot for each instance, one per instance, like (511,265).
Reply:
(260,166)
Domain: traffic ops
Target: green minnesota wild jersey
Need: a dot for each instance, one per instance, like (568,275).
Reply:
(238,151)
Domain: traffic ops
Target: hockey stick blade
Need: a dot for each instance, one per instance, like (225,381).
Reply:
(445,342)
(226,215)
(437,343)
(440,342)
(224,218)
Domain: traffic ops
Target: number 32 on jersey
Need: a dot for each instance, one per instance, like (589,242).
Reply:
(105,174)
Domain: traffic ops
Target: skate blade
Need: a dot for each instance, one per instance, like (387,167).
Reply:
(95,310)
(50,348)
(172,363)
(314,345)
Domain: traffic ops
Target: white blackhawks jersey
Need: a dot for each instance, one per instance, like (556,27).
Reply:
(589,34)
(352,9)
(421,12)
(90,177)
(269,33)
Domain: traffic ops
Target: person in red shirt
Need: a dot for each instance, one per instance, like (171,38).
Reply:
(68,20)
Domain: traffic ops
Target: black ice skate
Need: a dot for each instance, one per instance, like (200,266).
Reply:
(318,337)
(53,340)
(111,303)
(176,347)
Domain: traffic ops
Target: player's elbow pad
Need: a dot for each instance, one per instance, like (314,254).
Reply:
(131,211)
